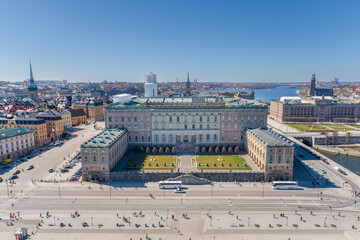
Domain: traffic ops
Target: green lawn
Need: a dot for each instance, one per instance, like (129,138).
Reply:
(210,162)
(142,162)
(309,127)
(340,127)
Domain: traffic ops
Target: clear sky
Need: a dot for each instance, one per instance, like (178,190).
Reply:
(237,41)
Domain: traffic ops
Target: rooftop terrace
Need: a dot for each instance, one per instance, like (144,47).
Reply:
(104,139)
(270,138)
(186,102)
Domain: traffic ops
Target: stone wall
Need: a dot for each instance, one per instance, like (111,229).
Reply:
(126,176)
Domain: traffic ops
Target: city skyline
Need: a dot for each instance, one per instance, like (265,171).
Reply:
(255,41)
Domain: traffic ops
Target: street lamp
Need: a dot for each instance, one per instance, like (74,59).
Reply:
(110,190)
(59,189)
(263,189)
(212,190)
(7,187)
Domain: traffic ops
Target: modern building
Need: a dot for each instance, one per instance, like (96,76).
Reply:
(78,116)
(186,122)
(38,126)
(66,117)
(316,109)
(32,88)
(94,108)
(15,142)
(100,154)
(272,153)
(151,86)
(315,91)
(54,125)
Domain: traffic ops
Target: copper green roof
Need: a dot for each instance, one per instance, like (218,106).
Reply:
(12,132)
(187,103)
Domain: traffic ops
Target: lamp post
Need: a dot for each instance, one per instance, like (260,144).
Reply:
(110,190)
(59,189)
(263,189)
(7,187)
(212,190)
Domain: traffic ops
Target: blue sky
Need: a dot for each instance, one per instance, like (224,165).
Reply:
(234,41)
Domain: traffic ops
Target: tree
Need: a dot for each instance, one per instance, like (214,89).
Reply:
(148,150)
(217,149)
(210,149)
(197,150)
(230,150)
(237,149)
(223,150)
(154,150)
(167,150)
(173,150)
(203,150)
(161,150)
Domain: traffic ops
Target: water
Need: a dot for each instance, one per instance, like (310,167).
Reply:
(348,162)
(265,94)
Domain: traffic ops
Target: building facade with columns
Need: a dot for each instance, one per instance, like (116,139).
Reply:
(187,122)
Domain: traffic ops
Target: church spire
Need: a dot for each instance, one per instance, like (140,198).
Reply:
(188,87)
(31,74)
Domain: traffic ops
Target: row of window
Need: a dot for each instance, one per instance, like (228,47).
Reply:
(185,118)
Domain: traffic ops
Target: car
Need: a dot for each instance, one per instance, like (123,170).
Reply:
(322,133)
(51,170)
(73,178)
(1,179)
(64,170)
(16,172)
(179,190)
(30,167)
(13,177)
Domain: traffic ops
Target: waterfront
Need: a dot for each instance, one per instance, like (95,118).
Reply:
(348,162)
(265,94)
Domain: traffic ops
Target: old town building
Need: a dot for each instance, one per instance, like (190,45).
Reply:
(78,116)
(272,153)
(54,125)
(38,126)
(15,142)
(94,108)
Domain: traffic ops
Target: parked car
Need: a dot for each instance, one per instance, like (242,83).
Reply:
(73,178)
(16,172)
(1,179)
(64,170)
(30,167)
(13,177)
(51,170)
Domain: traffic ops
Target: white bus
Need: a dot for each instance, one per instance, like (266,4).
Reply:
(284,185)
(169,184)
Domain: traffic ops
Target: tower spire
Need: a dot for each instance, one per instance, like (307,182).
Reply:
(31,73)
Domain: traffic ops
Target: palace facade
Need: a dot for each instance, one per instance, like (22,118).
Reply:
(186,122)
